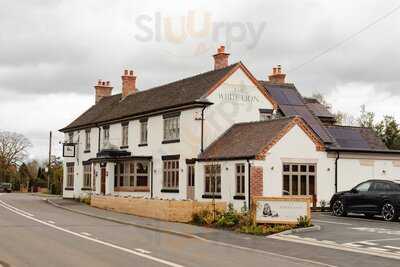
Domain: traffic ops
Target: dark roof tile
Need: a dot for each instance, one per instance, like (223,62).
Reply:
(245,140)
(173,94)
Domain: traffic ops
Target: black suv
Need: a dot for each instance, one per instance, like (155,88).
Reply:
(370,198)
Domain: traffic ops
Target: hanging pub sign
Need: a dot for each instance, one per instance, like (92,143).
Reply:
(69,150)
(281,210)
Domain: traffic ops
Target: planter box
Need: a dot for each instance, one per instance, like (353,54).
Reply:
(167,210)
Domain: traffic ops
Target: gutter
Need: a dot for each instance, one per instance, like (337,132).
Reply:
(376,151)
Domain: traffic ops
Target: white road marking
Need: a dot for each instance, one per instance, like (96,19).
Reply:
(332,222)
(352,245)
(86,234)
(377,249)
(391,247)
(10,208)
(52,222)
(366,243)
(143,250)
(342,247)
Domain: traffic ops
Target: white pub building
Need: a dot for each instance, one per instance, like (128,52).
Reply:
(221,134)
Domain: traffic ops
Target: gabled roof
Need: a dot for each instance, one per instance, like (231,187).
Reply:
(179,93)
(253,139)
(291,103)
(356,138)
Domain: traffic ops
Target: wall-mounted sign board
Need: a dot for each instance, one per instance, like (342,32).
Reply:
(69,150)
(281,210)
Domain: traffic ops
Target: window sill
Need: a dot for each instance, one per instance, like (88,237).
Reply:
(142,144)
(169,190)
(170,141)
(86,151)
(69,189)
(239,197)
(208,196)
(86,189)
(123,147)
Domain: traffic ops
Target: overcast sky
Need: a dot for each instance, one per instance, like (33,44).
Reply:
(52,52)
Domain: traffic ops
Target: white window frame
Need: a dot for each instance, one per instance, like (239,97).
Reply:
(125,135)
(87,140)
(191,175)
(240,179)
(129,176)
(171,174)
(171,128)
(70,137)
(212,179)
(143,132)
(70,174)
(106,135)
(87,176)
(265,116)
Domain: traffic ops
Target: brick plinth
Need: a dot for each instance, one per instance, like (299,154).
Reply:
(256,181)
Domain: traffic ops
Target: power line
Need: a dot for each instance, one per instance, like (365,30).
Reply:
(352,36)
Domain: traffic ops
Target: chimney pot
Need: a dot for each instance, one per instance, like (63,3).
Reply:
(102,89)
(277,76)
(221,58)
(128,83)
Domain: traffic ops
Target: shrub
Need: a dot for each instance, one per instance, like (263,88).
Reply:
(85,200)
(204,217)
(264,229)
(303,222)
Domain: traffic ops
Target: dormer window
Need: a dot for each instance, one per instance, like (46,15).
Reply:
(266,114)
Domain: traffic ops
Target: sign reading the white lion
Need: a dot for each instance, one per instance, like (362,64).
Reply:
(285,210)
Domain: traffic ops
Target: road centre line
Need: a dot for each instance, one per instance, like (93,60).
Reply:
(22,211)
(11,208)
(391,247)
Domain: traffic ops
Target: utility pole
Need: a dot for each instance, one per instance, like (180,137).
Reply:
(48,167)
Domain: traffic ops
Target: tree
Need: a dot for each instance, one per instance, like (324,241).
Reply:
(388,129)
(366,118)
(13,150)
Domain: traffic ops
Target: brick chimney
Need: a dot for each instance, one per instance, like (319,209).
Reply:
(277,76)
(128,83)
(220,58)
(102,89)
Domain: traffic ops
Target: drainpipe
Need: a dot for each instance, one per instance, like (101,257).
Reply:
(248,182)
(202,129)
(98,141)
(336,171)
(151,180)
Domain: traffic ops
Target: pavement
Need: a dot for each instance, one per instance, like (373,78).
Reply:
(39,234)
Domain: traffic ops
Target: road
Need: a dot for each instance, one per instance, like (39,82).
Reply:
(34,233)
(354,232)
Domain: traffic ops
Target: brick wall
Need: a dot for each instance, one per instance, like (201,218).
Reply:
(167,210)
(256,181)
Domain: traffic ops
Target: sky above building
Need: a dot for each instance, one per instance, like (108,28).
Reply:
(53,52)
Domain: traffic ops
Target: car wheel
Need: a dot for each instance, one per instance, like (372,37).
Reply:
(389,212)
(338,208)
